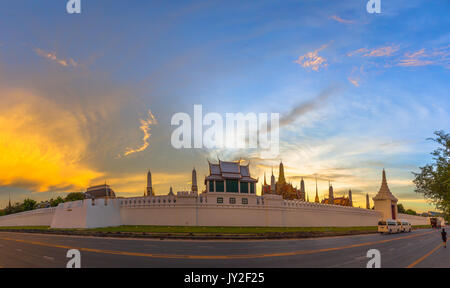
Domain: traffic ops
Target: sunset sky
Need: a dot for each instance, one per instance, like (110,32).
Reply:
(76,91)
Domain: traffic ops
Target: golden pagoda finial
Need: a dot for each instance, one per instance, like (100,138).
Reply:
(317,193)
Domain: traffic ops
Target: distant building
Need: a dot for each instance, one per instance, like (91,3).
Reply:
(342,201)
(45,204)
(230,177)
(99,191)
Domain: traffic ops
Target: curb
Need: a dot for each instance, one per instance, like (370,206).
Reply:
(199,236)
(192,236)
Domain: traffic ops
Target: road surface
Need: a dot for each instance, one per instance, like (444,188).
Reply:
(420,248)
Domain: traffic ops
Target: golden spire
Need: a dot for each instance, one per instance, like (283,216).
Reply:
(317,194)
(281,178)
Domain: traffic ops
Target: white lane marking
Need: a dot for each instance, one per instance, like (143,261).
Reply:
(49,258)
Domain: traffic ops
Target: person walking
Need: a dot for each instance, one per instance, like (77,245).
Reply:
(444,237)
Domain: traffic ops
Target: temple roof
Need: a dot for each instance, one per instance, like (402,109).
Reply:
(229,170)
(384,192)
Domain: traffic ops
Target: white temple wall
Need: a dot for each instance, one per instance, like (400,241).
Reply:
(414,219)
(297,215)
(39,217)
(87,214)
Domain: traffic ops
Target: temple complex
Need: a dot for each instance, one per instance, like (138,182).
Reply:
(229,199)
(343,201)
(283,188)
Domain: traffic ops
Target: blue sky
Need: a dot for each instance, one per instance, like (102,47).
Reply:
(85,81)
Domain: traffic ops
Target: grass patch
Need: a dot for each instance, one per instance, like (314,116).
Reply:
(421,226)
(226,230)
(25,228)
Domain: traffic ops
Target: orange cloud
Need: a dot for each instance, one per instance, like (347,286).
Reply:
(312,60)
(52,56)
(353,81)
(340,20)
(41,145)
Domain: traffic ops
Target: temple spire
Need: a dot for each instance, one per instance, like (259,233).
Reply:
(367,201)
(281,178)
(149,190)
(384,192)
(317,200)
(330,193)
(350,199)
(265,183)
(272,183)
(194,181)
(302,190)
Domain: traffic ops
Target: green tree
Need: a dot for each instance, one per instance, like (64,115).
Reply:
(56,202)
(29,204)
(400,208)
(433,181)
(74,196)
(410,212)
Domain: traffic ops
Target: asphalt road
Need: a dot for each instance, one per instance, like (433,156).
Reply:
(421,248)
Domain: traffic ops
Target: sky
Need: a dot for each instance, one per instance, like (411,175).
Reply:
(88,98)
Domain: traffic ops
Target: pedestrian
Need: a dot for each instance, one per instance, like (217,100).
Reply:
(444,237)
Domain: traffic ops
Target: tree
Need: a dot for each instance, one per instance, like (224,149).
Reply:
(56,202)
(433,181)
(410,212)
(29,204)
(400,208)
(74,196)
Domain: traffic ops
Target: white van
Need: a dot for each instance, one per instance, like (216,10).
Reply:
(406,226)
(388,226)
